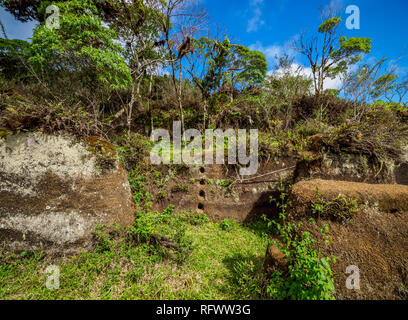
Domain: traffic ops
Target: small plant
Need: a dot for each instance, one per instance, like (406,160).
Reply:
(194,218)
(145,226)
(224,183)
(248,277)
(339,209)
(137,184)
(180,187)
(309,276)
(161,195)
(164,231)
(226,224)
(104,241)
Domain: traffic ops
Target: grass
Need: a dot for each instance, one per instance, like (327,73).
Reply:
(223,264)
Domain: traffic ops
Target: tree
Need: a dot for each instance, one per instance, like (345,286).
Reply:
(328,54)
(289,80)
(397,90)
(370,82)
(181,20)
(217,65)
(246,68)
(31,10)
(14,56)
(81,45)
(206,66)
(137,23)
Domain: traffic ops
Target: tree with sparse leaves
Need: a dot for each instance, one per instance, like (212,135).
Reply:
(330,55)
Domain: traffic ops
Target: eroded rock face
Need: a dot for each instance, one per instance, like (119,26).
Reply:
(346,167)
(53,195)
(244,201)
(387,197)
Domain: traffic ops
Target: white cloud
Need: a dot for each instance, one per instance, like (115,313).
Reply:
(256,21)
(273,51)
(335,83)
(270,51)
(295,68)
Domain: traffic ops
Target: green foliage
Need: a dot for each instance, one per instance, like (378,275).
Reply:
(14,56)
(165,231)
(347,54)
(146,225)
(222,265)
(330,55)
(340,208)
(251,66)
(137,183)
(248,278)
(329,25)
(308,275)
(180,187)
(103,239)
(224,183)
(132,150)
(194,218)
(161,195)
(228,64)
(227,224)
(82,45)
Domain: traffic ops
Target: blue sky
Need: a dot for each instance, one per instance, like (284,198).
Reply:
(270,25)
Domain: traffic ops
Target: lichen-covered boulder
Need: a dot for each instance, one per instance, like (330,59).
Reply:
(54,191)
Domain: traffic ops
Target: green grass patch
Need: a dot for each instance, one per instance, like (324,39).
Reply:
(221,264)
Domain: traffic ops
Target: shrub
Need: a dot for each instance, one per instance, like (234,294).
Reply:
(227,224)
(308,275)
(194,218)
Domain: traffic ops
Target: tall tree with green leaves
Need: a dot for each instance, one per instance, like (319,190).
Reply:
(246,68)
(138,25)
(81,45)
(329,54)
(206,66)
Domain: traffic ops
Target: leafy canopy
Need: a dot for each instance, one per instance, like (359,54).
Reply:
(81,44)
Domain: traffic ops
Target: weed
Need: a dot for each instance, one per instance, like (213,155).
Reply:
(308,275)
(339,209)
(227,224)
(180,187)
(161,195)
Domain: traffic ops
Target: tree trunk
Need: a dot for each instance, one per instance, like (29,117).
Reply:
(149,103)
(205,113)
(130,109)
(180,101)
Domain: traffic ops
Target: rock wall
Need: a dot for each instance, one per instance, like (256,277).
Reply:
(353,167)
(242,201)
(374,239)
(53,194)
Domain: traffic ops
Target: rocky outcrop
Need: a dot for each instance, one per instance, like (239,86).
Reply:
(373,238)
(54,192)
(387,197)
(220,195)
